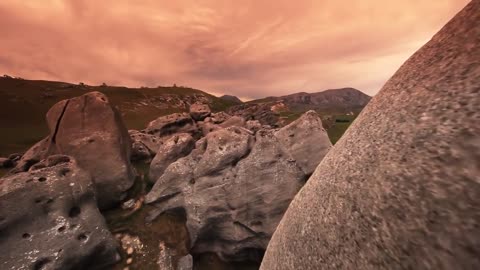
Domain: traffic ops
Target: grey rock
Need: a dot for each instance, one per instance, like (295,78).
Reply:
(91,130)
(306,140)
(174,148)
(234,190)
(171,124)
(220,117)
(401,189)
(144,145)
(36,153)
(185,263)
(49,219)
(237,121)
(199,111)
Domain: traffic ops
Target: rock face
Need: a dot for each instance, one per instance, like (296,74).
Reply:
(49,219)
(199,111)
(174,148)
(144,145)
(234,187)
(401,189)
(170,124)
(306,140)
(90,130)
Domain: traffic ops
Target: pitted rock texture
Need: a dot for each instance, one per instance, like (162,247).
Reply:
(401,189)
(176,147)
(144,145)
(49,219)
(199,111)
(234,187)
(171,124)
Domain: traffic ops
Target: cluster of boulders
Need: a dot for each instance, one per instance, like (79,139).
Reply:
(233,178)
(236,181)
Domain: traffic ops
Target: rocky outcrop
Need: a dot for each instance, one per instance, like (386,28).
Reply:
(261,112)
(90,130)
(171,124)
(233,121)
(49,219)
(401,188)
(144,145)
(219,117)
(234,187)
(306,140)
(199,111)
(174,148)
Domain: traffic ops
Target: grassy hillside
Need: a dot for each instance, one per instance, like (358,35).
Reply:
(24,103)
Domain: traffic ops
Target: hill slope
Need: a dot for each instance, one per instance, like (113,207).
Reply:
(24,103)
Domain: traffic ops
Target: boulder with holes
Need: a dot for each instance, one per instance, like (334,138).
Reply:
(144,145)
(199,111)
(234,187)
(174,148)
(401,189)
(49,219)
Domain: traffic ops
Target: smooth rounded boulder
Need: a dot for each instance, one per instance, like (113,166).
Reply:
(401,189)
(49,219)
(91,130)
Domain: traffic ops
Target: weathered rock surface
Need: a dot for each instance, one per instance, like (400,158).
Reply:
(401,189)
(306,140)
(144,145)
(185,263)
(219,117)
(90,130)
(174,148)
(49,219)
(173,123)
(199,111)
(261,112)
(234,121)
(36,153)
(234,188)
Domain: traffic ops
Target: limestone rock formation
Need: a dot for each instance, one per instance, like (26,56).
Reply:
(401,189)
(49,219)
(174,148)
(199,111)
(90,130)
(234,187)
(219,117)
(173,123)
(306,140)
(144,145)
(234,121)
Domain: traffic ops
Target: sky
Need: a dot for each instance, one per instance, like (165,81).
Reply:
(248,48)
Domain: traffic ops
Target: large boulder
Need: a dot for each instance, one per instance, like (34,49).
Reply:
(49,219)
(174,148)
(89,129)
(401,189)
(234,189)
(199,111)
(171,124)
(306,140)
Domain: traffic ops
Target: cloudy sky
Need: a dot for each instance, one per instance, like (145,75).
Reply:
(248,48)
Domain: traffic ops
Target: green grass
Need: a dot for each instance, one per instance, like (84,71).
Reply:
(339,128)
(24,103)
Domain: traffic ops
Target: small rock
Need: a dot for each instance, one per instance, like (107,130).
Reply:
(129,250)
(129,261)
(128,204)
(199,111)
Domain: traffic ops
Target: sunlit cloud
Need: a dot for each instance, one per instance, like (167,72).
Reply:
(246,48)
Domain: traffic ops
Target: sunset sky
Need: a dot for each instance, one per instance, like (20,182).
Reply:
(248,48)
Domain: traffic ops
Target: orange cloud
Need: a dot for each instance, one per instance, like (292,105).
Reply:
(247,48)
